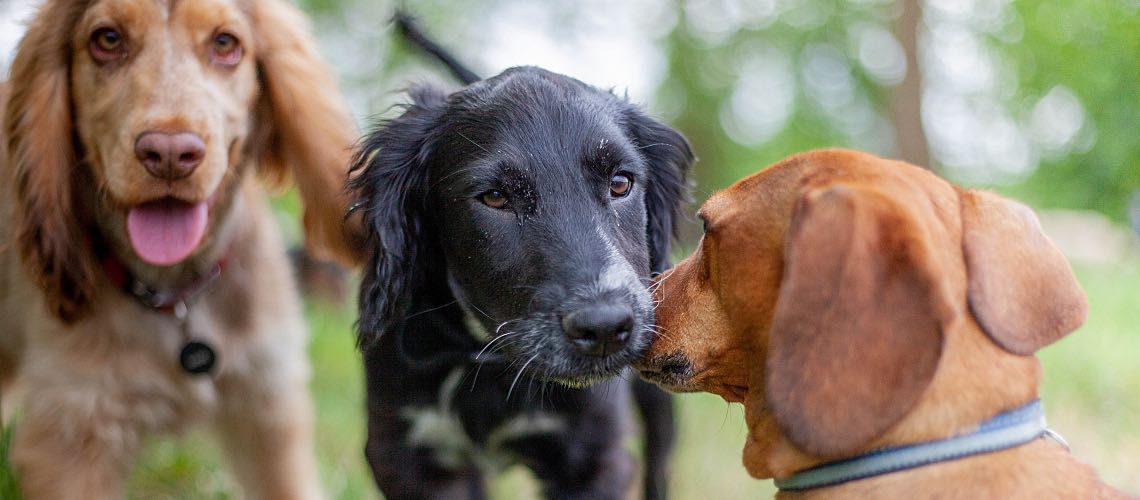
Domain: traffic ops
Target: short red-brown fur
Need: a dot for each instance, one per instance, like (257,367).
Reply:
(852,303)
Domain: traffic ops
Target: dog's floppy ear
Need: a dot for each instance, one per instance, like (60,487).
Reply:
(304,129)
(42,158)
(857,332)
(390,184)
(1021,289)
(668,157)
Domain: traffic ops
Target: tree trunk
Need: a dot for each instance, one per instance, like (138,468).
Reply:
(906,99)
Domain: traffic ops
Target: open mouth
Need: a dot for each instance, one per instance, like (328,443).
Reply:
(168,230)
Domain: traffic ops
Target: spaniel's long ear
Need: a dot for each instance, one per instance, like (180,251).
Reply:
(42,162)
(668,157)
(1021,289)
(307,130)
(857,332)
(390,186)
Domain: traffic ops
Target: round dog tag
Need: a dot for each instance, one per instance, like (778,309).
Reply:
(197,358)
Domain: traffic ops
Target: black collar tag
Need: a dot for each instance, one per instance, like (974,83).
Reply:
(197,358)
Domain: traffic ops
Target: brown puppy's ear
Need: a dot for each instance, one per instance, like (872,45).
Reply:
(305,129)
(857,332)
(1021,288)
(43,164)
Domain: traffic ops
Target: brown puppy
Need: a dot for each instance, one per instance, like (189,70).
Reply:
(854,303)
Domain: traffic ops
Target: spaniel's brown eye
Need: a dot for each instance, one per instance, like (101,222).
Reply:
(620,185)
(494,199)
(226,49)
(106,45)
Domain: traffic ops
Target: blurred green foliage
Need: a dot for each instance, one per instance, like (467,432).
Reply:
(703,75)
(1092,48)
(752,81)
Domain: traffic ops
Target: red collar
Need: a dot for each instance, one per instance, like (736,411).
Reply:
(167,301)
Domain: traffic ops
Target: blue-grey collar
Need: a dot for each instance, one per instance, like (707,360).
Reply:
(1006,430)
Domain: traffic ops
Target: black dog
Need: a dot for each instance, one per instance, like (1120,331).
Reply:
(513,226)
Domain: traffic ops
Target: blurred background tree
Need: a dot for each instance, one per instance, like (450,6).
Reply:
(1038,98)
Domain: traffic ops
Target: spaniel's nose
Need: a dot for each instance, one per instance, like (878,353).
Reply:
(599,330)
(170,156)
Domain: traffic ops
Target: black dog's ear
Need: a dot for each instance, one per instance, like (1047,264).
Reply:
(390,183)
(668,157)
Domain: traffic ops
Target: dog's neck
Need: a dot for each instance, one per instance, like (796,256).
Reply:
(1038,469)
(470,320)
(976,379)
(438,333)
(1009,429)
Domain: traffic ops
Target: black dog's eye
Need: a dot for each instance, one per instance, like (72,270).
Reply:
(494,199)
(620,185)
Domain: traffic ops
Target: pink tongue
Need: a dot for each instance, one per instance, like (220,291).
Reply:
(166,231)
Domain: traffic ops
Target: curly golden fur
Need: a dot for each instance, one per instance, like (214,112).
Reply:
(98,370)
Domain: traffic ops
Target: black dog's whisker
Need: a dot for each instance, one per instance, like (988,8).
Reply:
(652,328)
(521,370)
(505,323)
(499,339)
(660,279)
(542,389)
(425,311)
(659,332)
(475,307)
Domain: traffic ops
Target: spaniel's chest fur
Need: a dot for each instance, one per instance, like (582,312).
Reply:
(124,358)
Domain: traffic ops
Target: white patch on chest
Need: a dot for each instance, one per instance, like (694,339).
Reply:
(439,429)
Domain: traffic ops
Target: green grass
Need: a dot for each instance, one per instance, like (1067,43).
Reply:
(1092,380)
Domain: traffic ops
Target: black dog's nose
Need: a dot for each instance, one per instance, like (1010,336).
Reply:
(599,330)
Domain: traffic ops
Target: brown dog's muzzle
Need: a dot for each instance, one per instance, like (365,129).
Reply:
(693,343)
(672,371)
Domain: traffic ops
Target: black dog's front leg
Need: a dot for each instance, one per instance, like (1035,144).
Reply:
(581,470)
(609,474)
(657,417)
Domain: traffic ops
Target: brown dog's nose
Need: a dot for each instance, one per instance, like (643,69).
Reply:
(170,156)
(599,330)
